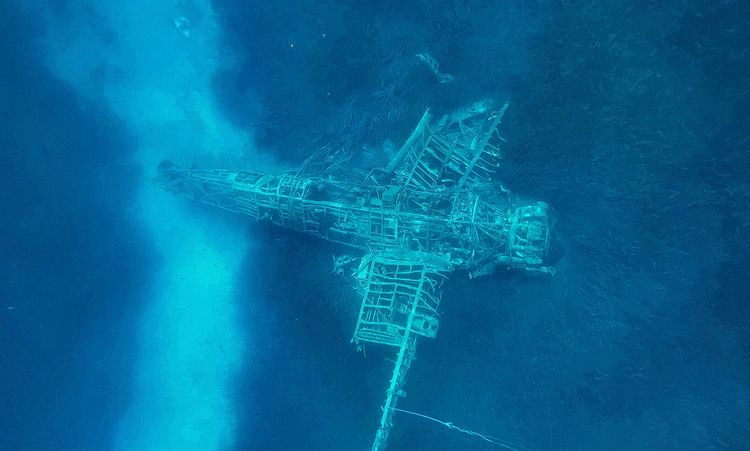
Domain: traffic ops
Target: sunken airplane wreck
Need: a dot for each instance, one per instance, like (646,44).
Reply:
(433,209)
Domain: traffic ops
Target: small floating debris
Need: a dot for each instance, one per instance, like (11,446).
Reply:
(434,67)
(183,25)
(481,107)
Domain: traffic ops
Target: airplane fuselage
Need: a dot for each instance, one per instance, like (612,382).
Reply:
(476,230)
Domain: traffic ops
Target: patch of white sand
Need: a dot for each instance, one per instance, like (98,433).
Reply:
(158,81)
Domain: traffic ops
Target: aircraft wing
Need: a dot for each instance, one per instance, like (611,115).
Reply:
(401,295)
(458,150)
(400,299)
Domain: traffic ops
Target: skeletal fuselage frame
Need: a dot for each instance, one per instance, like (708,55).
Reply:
(433,211)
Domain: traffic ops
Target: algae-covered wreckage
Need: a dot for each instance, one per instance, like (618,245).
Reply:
(432,210)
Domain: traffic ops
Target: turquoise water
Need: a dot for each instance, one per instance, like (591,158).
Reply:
(131,319)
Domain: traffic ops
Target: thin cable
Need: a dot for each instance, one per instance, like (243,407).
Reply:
(450,425)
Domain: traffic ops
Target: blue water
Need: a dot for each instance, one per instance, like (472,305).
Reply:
(134,320)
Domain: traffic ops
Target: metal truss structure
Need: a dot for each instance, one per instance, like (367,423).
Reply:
(435,209)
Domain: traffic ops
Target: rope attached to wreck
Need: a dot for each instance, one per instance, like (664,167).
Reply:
(449,424)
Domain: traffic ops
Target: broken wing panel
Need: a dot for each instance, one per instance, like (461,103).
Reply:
(401,295)
(461,149)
